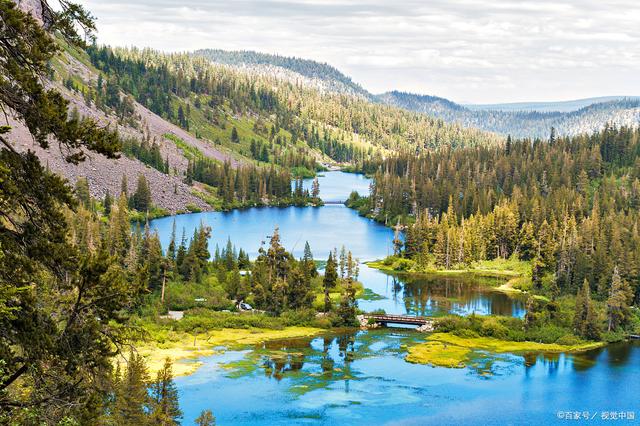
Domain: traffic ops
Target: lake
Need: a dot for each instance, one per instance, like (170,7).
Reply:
(332,226)
(361,378)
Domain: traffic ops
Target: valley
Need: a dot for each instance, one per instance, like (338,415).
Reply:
(200,235)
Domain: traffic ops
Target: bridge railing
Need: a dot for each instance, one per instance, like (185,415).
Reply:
(405,319)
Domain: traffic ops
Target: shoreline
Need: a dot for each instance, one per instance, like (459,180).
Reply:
(185,349)
(511,277)
(451,351)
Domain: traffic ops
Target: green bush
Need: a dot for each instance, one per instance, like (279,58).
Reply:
(569,340)
(491,327)
(466,333)
(548,333)
(451,323)
(300,317)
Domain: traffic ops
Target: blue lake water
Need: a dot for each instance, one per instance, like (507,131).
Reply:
(336,186)
(362,378)
(333,226)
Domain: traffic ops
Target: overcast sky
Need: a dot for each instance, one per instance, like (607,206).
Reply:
(468,51)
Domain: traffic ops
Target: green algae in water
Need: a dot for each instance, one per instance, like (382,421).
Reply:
(370,295)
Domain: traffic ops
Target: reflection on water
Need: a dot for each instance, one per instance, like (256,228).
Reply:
(462,295)
(433,295)
(362,378)
(332,226)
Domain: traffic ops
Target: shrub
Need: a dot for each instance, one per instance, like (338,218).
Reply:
(547,333)
(451,323)
(300,317)
(569,340)
(466,333)
(491,327)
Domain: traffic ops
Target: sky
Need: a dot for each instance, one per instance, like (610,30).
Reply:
(469,51)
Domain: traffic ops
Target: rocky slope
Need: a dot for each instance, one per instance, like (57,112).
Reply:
(169,191)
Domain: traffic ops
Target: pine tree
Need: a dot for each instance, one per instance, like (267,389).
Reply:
(171,249)
(315,188)
(82,192)
(348,304)
(585,319)
(618,302)
(343,262)
(206,418)
(308,262)
(124,186)
(141,199)
(181,253)
(329,281)
(132,400)
(299,287)
(234,135)
(397,241)
(107,203)
(165,409)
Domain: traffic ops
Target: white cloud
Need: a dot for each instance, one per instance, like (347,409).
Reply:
(542,50)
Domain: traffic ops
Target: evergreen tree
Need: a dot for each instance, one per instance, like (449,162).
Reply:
(171,249)
(206,418)
(107,203)
(164,394)
(329,281)
(618,302)
(141,199)
(299,289)
(181,253)
(124,186)
(585,319)
(309,265)
(132,401)
(348,304)
(82,192)
(315,188)
(243,259)
(234,135)
(343,262)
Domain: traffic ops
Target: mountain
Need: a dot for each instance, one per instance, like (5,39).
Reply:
(522,119)
(560,106)
(191,126)
(308,72)
(523,123)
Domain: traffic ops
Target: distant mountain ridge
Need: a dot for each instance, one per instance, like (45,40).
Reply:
(520,119)
(558,106)
(312,73)
(522,123)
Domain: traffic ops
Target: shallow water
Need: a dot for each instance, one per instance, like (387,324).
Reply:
(362,378)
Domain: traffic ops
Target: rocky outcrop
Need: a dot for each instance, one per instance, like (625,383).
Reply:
(365,324)
(426,328)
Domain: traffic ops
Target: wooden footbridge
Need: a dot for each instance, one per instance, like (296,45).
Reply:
(384,319)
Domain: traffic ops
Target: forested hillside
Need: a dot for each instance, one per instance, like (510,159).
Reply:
(321,75)
(76,277)
(525,119)
(178,113)
(569,206)
(209,94)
